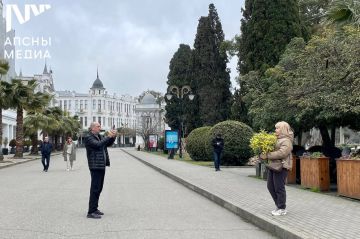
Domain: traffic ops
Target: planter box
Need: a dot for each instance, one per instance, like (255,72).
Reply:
(291,178)
(315,173)
(348,178)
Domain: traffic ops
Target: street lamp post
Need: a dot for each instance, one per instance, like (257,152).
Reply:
(180,93)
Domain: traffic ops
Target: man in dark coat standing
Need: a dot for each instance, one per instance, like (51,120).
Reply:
(45,149)
(218,144)
(98,158)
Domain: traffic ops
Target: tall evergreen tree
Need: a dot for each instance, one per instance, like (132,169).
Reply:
(266,28)
(211,79)
(179,75)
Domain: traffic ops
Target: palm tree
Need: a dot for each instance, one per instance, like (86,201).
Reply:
(4,99)
(343,12)
(22,96)
(36,120)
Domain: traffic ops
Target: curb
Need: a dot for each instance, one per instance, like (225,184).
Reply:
(13,164)
(26,160)
(271,227)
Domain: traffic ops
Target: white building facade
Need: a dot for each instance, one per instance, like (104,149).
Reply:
(110,110)
(8,116)
(150,117)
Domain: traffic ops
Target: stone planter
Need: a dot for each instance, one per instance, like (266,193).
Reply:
(348,178)
(315,173)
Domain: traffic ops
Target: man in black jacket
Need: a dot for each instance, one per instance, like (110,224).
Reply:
(98,158)
(45,149)
(218,144)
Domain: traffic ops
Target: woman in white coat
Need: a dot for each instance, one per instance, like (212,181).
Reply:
(69,154)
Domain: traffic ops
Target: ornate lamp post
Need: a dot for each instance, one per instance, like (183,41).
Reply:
(180,93)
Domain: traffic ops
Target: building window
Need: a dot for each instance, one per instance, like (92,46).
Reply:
(81,104)
(60,104)
(99,120)
(65,105)
(81,122)
(76,104)
(94,104)
(104,104)
(94,119)
(69,105)
(85,121)
(104,121)
(99,105)
(85,104)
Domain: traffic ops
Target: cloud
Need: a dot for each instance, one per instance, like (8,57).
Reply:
(132,42)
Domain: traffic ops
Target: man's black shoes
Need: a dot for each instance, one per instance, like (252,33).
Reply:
(93,215)
(99,212)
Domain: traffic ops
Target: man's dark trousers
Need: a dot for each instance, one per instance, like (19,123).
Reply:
(217,158)
(45,160)
(97,182)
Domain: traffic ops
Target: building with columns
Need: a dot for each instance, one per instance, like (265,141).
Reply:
(8,116)
(150,117)
(110,110)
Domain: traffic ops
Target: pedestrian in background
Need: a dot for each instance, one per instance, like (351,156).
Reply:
(98,158)
(279,164)
(218,145)
(46,148)
(69,153)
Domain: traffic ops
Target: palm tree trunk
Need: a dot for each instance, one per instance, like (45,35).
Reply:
(34,142)
(1,136)
(19,133)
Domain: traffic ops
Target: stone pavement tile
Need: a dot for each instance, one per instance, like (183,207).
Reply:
(310,215)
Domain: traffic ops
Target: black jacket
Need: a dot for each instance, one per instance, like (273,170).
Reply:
(218,144)
(96,151)
(46,148)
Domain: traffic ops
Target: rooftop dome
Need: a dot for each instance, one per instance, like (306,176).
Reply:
(148,99)
(97,83)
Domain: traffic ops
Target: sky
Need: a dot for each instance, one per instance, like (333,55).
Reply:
(131,42)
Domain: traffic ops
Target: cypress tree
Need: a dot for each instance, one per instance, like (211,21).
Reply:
(179,75)
(211,79)
(266,28)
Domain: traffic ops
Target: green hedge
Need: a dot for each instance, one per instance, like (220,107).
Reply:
(196,144)
(236,137)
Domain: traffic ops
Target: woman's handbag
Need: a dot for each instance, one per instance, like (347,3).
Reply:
(275,165)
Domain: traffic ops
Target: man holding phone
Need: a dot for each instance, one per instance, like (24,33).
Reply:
(98,158)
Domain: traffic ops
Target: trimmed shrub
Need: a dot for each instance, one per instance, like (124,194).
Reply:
(236,137)
(12,143)
(196,144)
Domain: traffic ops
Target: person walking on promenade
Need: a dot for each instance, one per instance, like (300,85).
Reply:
(98,158)
(45,149)
(218,144)
(69,153)
(279,164)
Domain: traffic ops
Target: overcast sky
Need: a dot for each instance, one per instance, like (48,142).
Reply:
(131,41)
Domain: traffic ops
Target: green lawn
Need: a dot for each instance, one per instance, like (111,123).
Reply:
(186,158)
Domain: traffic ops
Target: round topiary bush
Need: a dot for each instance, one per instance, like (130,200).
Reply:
(12,143)
(236,137)
(196,144)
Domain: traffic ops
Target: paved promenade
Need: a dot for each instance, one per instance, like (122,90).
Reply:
(138,202)
(310,215)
